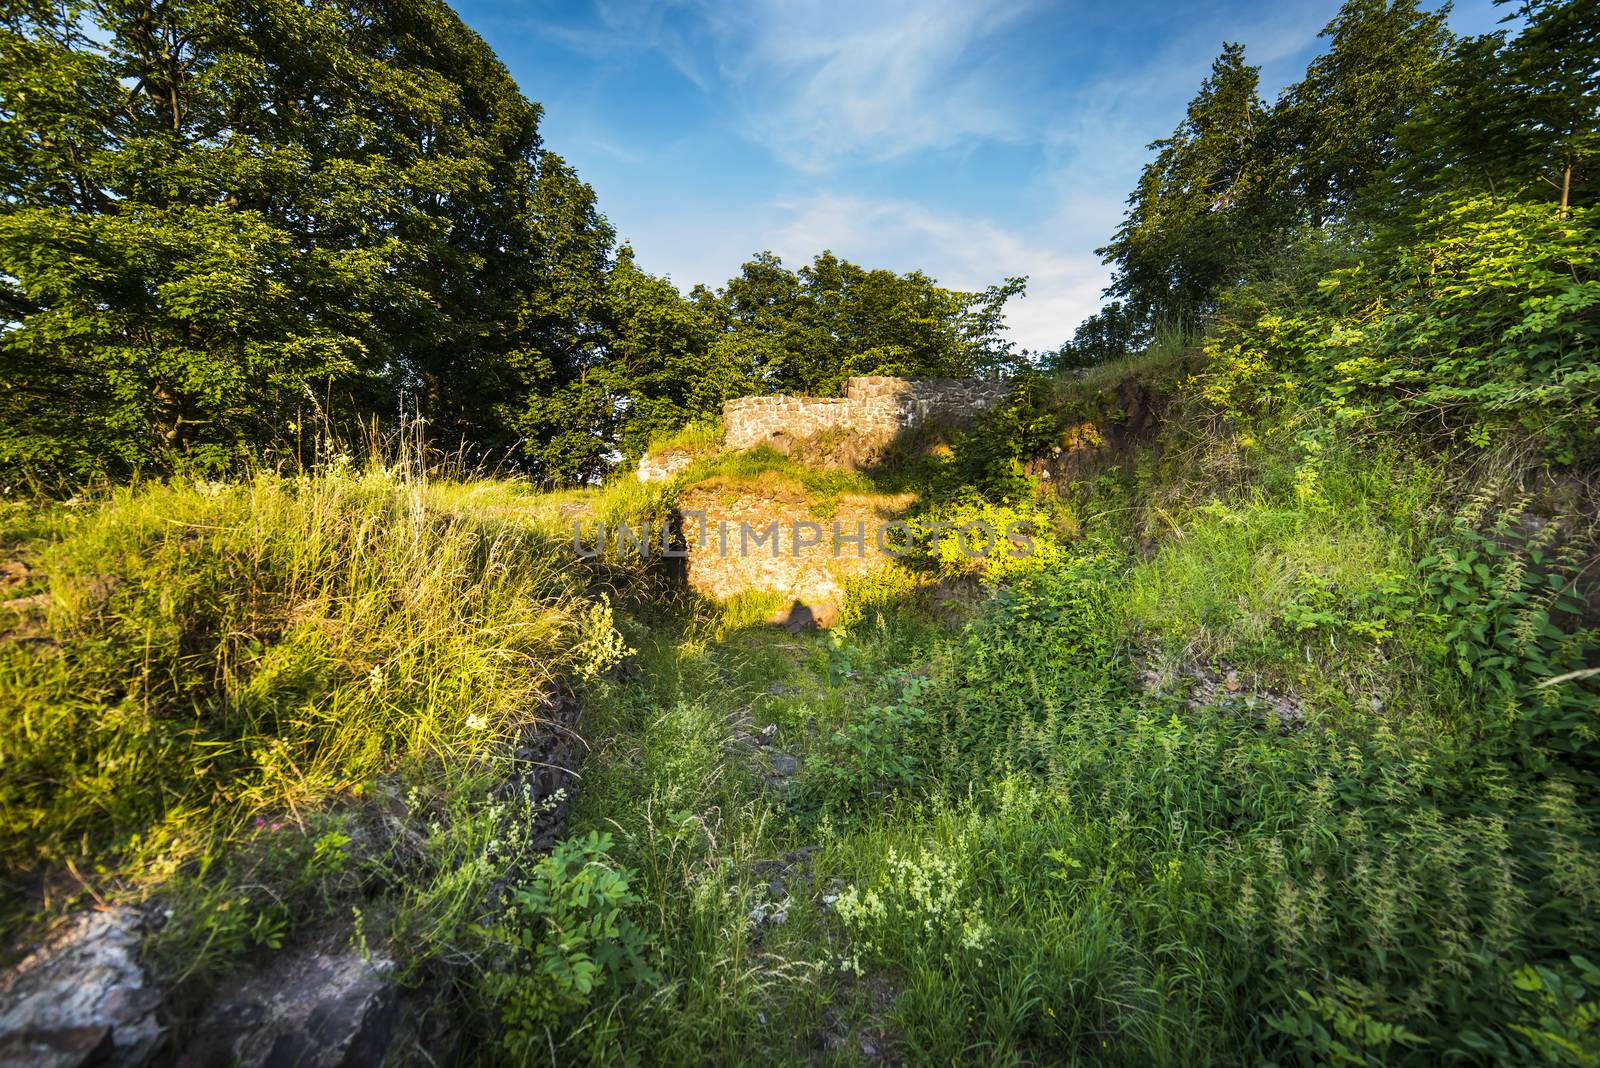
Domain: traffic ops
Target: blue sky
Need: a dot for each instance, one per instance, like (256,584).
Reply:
(971,140)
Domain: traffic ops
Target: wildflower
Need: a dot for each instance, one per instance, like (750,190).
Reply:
(476,722)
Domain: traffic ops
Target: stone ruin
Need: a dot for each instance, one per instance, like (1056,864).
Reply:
(828,431)
(874,411)
(874,407)
(767,538)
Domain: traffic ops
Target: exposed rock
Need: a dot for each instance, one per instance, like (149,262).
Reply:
(767,915)
(796,862)
(1121,417)
(81,997)
(14,574)
(309,1009)
(741,536)
(658,467)
(800,617)
(1206,687)
(548,758)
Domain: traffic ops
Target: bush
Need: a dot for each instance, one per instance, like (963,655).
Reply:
(1477,324)
(1512,627)
(190,663)
(568,935)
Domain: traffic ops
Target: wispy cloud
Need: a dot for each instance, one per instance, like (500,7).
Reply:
(836,81)
(973,139)
(963,252)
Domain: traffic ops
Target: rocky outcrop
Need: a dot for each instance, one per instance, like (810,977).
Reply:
(309,1009)
(81,997)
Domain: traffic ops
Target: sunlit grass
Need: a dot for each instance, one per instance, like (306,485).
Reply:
(191,660)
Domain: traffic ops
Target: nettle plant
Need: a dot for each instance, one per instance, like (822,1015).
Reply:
(1514,631)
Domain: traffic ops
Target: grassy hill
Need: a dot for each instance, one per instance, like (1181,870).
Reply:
(1265,753)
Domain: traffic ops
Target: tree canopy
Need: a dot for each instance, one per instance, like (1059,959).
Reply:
(1395,113)
(220,217)
(225,222)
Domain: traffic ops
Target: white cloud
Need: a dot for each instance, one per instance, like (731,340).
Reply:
(822,84)
(829,81)
(962,252)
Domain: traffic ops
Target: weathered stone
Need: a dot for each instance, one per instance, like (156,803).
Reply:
(307,1009)
(873,408)
(658,467)
(726,527)
(80,997)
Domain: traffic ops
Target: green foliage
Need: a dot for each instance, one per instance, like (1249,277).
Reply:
(806,331)
(1201,208)
(569,935)
(967,535)
(1513,627)
(868,758)
(221,221)
(1479,325)
(1308,564)
(1112,333)
(1514,117)
(188,664)
(990,456)
(1395,115)
(1561,1010)
(672,360)
(1360,890)
(1336,127)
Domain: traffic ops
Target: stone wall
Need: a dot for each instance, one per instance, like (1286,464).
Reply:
(874,408)
(658,467)
(724,559)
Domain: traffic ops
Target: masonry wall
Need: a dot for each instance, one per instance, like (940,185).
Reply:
(725,562)
(873,407)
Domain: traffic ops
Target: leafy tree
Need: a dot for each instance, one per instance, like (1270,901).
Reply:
(1554,92)
(217,213)
(807,331)
(558,404)
(1201,207)
(1109,334)
(658,365)
(1337,125)
(1515,117)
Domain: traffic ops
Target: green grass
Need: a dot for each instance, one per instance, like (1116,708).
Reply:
(1020,856)
(1028,860)
(996,847)
(213,692)
(698,437)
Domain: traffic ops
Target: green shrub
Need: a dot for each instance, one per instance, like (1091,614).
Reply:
(568,938)
(1512,627)
(872,756)
(1479,323)
(190,662)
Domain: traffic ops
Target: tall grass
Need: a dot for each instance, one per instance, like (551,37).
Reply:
(192,669)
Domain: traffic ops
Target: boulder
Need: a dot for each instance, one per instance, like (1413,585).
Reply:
(81,997)
(307,1009)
